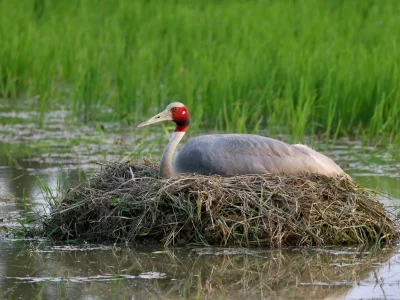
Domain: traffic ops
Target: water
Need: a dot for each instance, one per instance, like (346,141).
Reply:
(61,150)
(93,271)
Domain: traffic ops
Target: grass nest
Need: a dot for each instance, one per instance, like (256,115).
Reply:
(129,202)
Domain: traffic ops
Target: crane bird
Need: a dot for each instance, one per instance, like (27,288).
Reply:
(235,154)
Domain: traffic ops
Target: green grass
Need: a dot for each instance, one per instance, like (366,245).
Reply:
(299,67)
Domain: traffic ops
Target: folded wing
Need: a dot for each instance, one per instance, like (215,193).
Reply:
(235,154)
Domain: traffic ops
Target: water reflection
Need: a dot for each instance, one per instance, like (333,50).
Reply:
(61,155)
(57,150)
(20,180)
(95,272)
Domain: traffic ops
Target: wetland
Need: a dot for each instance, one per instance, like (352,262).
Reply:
(77,76)
(60,151)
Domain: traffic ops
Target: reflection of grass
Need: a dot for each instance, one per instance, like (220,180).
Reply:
(24,218)
(93,143)
(308,66)
(8,199)
(211,273)
(11,153)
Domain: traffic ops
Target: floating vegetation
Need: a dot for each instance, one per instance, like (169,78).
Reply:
(129,202)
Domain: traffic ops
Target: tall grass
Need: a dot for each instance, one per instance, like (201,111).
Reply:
(299,67)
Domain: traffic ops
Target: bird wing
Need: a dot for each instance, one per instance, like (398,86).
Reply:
(233,154)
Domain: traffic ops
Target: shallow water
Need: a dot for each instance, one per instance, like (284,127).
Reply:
(60,150)
(93,271)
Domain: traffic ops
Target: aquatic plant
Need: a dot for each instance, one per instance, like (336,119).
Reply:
(299,67)
(129,202)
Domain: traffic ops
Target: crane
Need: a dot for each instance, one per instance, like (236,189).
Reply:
(235,154)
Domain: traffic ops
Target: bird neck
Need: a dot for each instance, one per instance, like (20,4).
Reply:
(166,167)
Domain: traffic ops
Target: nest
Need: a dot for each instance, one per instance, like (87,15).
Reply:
(129,202)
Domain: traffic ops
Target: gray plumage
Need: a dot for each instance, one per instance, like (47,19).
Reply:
(234,154)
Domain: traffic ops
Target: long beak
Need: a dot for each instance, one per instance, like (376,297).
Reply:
(162,116)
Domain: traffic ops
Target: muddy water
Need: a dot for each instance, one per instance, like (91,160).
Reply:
(60,151)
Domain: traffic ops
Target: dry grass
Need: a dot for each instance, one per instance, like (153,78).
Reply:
(128,202)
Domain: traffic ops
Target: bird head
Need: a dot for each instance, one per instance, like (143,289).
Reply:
(176,112)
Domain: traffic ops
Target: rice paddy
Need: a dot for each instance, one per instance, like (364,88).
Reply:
(327,68)
(39,160)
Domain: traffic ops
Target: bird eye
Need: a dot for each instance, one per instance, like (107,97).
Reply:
(175,109)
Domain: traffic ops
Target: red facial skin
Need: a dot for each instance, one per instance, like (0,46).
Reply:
(180,116)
